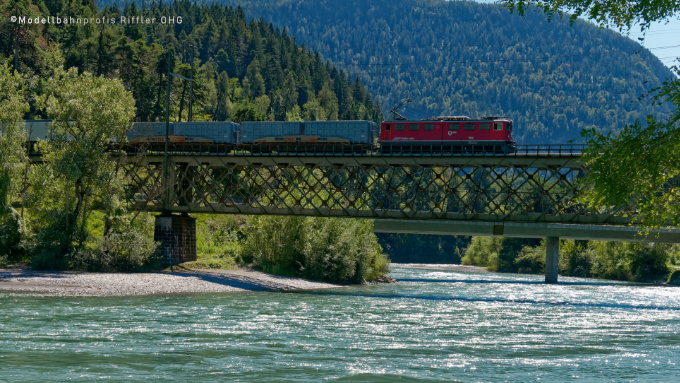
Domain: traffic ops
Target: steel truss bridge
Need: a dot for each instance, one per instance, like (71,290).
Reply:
(538,186)
(535,192)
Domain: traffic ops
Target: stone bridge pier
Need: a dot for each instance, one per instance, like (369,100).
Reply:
(176,233)
(177,236)
(552,253)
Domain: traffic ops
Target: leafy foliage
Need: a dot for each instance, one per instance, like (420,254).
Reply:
(630,261)
(218,240)
(13,159)
(503,254)
(640,165)
(642,262)
(125,251)
(576,259)
(77,177)
(614,13)
(483,251)
(531,259)
(333,250)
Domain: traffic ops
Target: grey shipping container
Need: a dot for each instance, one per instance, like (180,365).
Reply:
(219,132)
(253,130)
(357,132)
(38,129)
(148,129)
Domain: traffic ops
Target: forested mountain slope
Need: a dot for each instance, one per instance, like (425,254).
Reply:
(475,59)
(244,70)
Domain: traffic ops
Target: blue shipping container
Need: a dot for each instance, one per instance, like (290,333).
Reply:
(148,129)
(218,132)
(253,130)
(357,132)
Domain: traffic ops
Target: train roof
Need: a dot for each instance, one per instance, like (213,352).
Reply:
(453,118)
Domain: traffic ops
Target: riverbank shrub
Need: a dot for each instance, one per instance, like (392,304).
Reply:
(611,261)
(648,262)
(124,246)
(674,255)
(342,250)
(531,259)
(576,259)
(674,278)
(640,262)
(11,236)
(483,252)
(13,159)
(323,249)
(129,251)
(501,254)
(512,249)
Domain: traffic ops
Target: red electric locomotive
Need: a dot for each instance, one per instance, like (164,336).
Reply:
(448,134)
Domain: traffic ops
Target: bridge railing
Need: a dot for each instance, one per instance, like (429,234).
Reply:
(551,150)
(476,150)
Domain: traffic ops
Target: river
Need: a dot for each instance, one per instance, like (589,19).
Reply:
(432,326)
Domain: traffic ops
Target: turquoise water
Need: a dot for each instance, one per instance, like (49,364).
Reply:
(431,326)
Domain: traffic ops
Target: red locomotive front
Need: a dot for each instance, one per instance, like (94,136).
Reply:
(448,134)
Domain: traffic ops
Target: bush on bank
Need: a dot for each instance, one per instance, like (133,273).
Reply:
(640,262)
(503,254)
(323,249)
(117,249)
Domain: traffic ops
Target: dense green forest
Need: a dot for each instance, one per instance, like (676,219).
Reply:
(71,210)
(466,58)
(243,70)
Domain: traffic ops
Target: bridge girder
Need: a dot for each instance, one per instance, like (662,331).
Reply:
(476,188)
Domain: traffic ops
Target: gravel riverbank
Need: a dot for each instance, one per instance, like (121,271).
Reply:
(123,284)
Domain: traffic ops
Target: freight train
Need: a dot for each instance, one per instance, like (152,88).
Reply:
(449,134)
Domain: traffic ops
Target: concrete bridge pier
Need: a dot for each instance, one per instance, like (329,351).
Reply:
(177,235)
(552,252)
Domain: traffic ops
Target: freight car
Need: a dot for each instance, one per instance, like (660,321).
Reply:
(219,137)
(309,136)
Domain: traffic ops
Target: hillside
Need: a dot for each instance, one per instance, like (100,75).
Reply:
(476,59)
(243,69)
